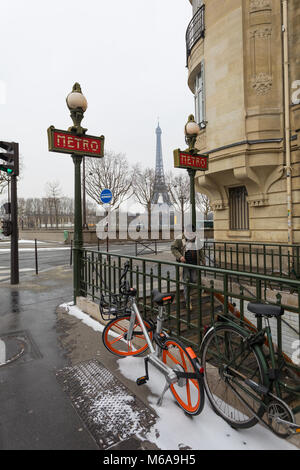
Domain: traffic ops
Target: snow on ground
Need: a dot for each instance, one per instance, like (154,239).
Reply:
(174,429)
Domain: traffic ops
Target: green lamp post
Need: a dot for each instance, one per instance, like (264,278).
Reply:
(77,105)
(192,131)
(78,144)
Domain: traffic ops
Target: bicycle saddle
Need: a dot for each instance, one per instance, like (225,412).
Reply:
(162,299)
(263,310)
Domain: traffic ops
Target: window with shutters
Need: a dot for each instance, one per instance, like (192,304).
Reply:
(238,208)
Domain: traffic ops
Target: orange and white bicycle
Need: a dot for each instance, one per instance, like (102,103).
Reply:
(127,334)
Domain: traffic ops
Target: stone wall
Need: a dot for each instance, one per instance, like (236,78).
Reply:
(242,54)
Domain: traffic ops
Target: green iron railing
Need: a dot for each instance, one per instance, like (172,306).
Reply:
(216,292)
(277,260)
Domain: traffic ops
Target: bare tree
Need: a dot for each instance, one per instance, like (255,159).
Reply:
(203,203)
(179,189)
(53,191)
(111,172)
(143,189)
(21,212)
(4,180)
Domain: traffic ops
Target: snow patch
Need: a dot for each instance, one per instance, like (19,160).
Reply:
(175,430)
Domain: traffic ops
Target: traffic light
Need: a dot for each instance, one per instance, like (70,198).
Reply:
(9,170)
(10,164)
(6,227)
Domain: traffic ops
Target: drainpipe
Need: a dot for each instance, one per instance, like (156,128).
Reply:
(287,120)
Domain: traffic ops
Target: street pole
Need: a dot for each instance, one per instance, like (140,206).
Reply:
(74,141)
(107,238)
(14,256)
(85,226)
(78,240)
(192,196)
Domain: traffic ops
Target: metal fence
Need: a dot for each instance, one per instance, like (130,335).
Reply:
(277,260)
(195,30)
(214,292)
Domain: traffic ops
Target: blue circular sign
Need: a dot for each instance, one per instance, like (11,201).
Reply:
(106,196)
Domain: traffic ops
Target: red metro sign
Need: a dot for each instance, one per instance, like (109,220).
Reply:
(67,142)
(187,160)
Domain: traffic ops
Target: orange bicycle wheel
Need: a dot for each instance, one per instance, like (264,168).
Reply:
(189,393)
(115,337)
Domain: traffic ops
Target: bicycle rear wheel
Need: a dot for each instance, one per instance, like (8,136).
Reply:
(226,357)
(189,393)
(115,339)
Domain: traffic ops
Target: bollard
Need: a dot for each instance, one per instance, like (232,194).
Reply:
(36,257)
(71,254)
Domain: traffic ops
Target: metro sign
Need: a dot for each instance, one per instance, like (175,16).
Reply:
(68,142)
(194,161)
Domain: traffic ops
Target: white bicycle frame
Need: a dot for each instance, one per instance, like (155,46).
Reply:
(155,353)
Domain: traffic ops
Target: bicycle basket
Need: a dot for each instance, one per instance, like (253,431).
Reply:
(112,306)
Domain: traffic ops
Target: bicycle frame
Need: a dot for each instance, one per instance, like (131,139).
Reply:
(178,364)
(155,352)
(269,373)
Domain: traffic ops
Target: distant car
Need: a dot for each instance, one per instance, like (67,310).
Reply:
(139,226)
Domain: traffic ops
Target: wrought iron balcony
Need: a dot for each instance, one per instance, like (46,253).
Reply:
(195,30)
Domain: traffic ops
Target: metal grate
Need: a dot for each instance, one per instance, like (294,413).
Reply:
(109,410)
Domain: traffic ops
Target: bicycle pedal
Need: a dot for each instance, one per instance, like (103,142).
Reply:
(142,380)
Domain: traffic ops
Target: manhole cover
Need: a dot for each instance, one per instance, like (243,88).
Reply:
(11,349)
(17,345)
(109,410)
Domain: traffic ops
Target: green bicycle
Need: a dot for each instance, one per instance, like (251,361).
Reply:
(245,380)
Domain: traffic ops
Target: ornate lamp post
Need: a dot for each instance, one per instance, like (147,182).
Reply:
(78,144)
(192,130)
(77,104)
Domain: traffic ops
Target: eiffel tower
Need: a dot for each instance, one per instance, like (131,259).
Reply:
(160,190)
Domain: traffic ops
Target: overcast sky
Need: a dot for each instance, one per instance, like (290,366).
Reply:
(128,56)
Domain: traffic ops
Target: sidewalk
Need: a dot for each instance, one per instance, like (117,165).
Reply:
(36,413)
(66,391)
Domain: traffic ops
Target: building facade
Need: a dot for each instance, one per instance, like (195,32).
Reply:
(246,85)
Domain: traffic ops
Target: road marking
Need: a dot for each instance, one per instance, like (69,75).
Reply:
(2,352)
(31,250)
(24,270)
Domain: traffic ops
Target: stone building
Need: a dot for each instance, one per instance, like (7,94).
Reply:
(247,102)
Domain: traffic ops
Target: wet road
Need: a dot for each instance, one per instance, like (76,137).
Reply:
(50,256)
(33,407)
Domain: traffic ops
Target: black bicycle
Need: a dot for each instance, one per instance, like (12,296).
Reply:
(245,380)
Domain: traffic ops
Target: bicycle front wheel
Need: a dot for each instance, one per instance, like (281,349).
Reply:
(228,361)
(116,341)
(189,393)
